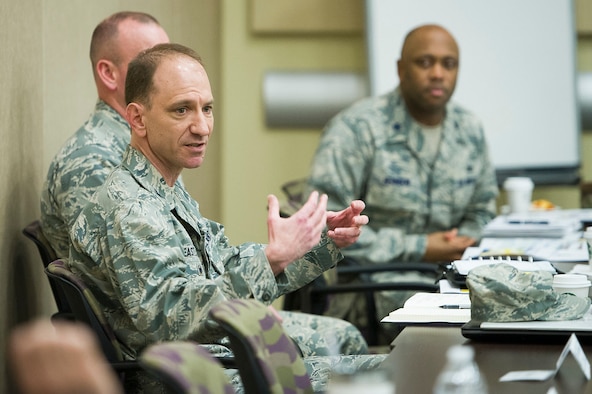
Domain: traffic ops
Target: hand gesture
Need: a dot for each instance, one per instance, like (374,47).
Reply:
(291,238)
(345,226)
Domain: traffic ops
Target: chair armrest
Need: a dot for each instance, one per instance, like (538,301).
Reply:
(356,268)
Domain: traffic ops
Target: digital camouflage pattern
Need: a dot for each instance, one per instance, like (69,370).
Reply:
(81,165)
(376,152)
(501,293)
(318,335)
(157,266)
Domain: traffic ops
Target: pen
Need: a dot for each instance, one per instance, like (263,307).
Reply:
(461,306)
(528,222)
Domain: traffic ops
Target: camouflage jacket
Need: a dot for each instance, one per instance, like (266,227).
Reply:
(81,165)
(157,266)
(373,151)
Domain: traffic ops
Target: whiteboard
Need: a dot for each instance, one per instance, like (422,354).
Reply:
(517,74)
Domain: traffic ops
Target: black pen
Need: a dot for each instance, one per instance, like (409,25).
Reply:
(462,306)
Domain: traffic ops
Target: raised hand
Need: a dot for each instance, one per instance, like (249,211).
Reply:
(291,238)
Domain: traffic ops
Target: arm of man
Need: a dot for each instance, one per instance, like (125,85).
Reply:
(446,246)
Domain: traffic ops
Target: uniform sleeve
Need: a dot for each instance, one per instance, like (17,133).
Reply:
(69,188)
(158,280)
(481,209)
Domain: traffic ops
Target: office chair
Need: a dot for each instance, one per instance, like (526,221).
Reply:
(186,368)
(85,308)
(268,360)
(313,298)
(34,232)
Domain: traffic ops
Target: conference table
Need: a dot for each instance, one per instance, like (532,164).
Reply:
(419,354)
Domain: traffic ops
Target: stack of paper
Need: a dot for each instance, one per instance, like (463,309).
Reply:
(433,308)
(531,225)
(569,248)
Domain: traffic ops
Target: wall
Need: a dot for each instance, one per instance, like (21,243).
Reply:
(257,160)
(21,106)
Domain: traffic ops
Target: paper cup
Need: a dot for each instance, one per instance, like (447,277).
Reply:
(519,193)
(571,283)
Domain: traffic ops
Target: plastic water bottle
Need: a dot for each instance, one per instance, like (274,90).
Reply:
(461,374)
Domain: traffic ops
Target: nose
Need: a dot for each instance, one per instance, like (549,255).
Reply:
(437,70)
(201,124)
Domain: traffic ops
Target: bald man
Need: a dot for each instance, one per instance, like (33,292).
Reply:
(88,156)
(419,161)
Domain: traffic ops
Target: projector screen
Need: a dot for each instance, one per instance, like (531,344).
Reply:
(517,73)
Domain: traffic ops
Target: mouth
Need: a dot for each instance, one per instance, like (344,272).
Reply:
(197,146)
(436,91)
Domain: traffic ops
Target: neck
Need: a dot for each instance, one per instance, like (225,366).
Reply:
(427,118)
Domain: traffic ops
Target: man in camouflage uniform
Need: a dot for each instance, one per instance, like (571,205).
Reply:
(419,162)
(155,264)
(87,158)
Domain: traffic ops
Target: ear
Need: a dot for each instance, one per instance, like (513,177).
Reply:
(399,68)
(135,117)
(107,73)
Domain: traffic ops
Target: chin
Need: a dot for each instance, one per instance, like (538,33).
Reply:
(194,163)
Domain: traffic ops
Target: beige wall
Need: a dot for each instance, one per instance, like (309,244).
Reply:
(256,160)
(21,106)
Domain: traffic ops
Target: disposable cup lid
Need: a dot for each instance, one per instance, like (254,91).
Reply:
(518,183)
(570,280)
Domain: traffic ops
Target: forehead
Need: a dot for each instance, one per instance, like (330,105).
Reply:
(180,74)
(430,41)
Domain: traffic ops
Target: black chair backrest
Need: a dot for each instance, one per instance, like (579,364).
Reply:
(34,232)
(81,301)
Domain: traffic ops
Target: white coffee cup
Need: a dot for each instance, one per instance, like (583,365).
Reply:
(576,284)
(519,193)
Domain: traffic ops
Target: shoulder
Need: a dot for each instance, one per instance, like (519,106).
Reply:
(462,115)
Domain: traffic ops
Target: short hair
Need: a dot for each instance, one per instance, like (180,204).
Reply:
(106,33)
(139,82)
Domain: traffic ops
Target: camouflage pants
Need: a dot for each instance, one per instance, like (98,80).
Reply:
(323,335)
